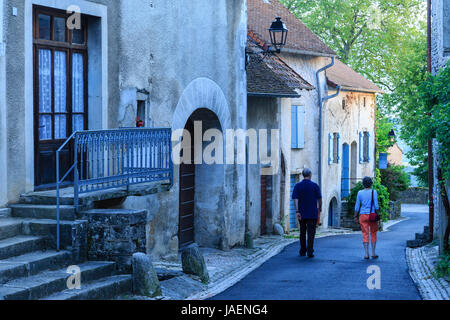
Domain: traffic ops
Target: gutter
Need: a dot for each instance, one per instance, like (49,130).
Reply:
(321,101)
(308,53)
(274,95)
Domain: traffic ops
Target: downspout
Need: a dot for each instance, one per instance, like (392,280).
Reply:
(321,101)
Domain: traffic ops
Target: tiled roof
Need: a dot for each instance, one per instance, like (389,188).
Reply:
(271,76)
(344,76)
(261,13)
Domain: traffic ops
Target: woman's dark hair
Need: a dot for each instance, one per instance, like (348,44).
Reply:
(367,182)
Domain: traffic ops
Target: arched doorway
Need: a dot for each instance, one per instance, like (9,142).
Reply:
(333,214)
(354,164)
(200,188)
(345,184)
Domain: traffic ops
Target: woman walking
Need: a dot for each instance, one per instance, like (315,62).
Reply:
(367,209)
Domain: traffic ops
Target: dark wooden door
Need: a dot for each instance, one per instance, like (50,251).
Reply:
(60,91)
(263,204)
(187,194)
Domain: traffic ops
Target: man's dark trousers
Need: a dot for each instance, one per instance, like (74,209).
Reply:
(307,226)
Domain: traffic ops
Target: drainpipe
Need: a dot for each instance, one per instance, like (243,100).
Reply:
(321,101)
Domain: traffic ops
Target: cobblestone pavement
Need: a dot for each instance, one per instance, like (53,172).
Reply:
(422,262)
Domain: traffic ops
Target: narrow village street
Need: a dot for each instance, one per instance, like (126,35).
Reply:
(338,270)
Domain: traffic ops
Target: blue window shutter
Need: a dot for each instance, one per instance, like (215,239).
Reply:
(368,146)
(361,149)
(330,148)
(294,130)
(338,147)
(301,127)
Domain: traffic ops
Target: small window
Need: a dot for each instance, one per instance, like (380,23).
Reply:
(78,36)
(59,29)
(335,148)
(140,119)
(364,102)
(366,147)
(44,27)
(344,103)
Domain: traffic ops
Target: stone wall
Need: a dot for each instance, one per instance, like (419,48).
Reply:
(115,235)
(395,210)
(347,217)
(415,195)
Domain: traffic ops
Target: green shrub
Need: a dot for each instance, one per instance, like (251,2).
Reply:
(396,180)
(443,266)
(383,197)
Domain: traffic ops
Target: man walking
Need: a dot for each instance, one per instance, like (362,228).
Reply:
(308,201)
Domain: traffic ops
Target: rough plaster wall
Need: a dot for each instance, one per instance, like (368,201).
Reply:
(166,63)
(306,66)
(349,123)
(440,41)
(3,130)
(441,34)
(285,120)
(15,102)
(263,113)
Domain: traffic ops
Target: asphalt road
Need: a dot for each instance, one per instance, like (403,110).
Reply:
(338,272)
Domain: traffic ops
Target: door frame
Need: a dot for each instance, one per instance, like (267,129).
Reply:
(70,49)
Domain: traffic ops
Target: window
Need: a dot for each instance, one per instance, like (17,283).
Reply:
(364,147)
(364,102)
(61,76)
(344,103)
(333,148)
(298,127)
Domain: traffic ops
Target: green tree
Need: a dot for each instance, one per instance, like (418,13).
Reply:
(367,35)
(396,180)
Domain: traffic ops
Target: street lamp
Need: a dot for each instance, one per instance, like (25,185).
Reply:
(392,135)
(278,34)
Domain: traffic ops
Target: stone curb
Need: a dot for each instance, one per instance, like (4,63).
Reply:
(421,271)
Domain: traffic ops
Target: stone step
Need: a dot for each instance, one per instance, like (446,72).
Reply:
(103,289)
(53,282)
(32,263)
(20,245)
(37,198)
(5,212)
(10,228)
(43,211)
(421,236)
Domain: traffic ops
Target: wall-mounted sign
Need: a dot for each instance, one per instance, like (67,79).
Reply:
(383,161)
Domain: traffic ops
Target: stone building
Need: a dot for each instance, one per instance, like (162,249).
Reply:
(313,134)
(270,82)
(145,60)
(395,155)
(440,54)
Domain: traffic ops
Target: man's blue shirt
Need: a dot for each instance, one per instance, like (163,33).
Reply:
(307,193)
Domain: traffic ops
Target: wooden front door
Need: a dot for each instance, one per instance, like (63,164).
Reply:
(60,91)
(187,194)
(263,204)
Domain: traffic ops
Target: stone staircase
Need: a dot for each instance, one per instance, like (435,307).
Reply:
(31,268)
(420,240)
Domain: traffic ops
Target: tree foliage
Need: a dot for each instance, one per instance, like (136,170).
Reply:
(368,35)
(396,180)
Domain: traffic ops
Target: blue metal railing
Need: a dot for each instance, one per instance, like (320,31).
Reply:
(108,159)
